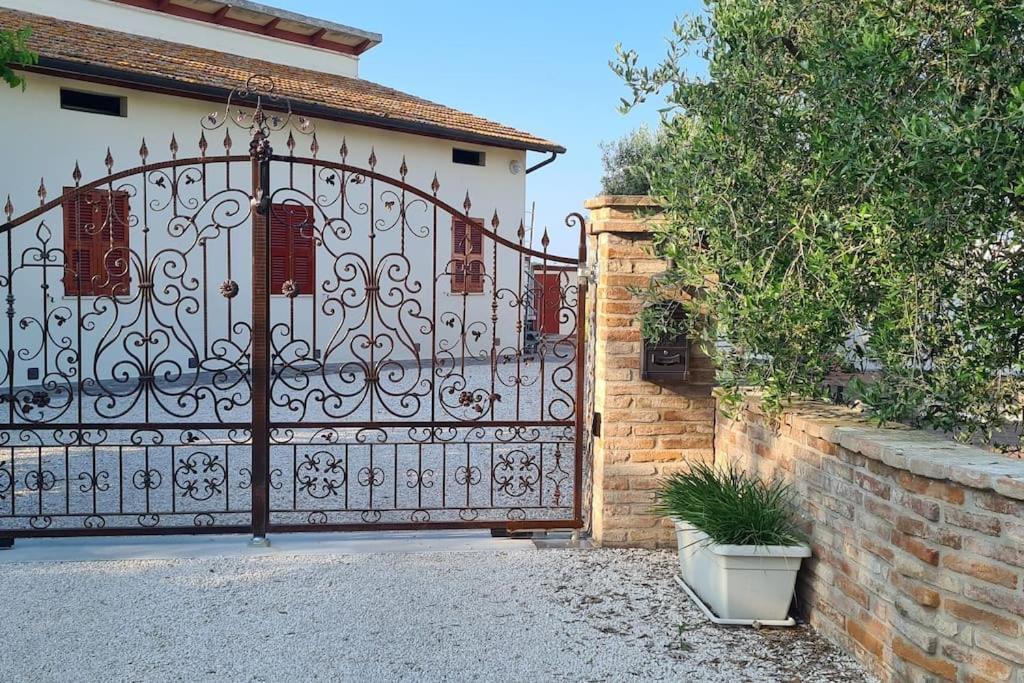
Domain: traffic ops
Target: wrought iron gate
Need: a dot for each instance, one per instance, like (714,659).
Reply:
(155,383)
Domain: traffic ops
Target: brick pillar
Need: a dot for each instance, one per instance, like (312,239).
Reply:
(647,430)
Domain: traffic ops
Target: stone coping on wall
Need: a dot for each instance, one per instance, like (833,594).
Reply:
(633,200)
(904,448)
(621,213)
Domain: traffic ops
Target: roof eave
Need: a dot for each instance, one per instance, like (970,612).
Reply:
(124,78)
(269,10)
(366,39)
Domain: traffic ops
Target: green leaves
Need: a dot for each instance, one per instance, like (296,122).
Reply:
(628,162)
(662,321)
(14,50)
(852,170)
(731,507)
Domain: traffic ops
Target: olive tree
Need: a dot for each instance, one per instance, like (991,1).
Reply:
(845,188)
(627,163)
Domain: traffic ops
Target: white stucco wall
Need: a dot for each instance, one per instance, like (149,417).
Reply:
(45,141)
(144,22)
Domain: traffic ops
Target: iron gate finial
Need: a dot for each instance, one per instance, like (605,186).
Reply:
(259,109)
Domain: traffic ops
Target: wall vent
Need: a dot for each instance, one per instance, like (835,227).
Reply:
(93,103)
(468,157)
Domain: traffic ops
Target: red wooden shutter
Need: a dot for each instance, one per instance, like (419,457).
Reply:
(292,247)
(279,247)
(304,250)
(547,293)
(96,244)
(77,244)
(475,276)
(476,241)
(458,276)
(114,236)
(458,269)
(475,260)
(467,264)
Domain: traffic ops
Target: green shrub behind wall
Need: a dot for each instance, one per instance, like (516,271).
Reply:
(855,174)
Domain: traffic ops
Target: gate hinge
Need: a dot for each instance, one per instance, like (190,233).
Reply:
(595,426)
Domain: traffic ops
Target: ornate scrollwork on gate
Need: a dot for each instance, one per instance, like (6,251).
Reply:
(413,376)
(320,474)
(200,476)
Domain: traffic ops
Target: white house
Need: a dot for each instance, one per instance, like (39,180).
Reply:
(366,270)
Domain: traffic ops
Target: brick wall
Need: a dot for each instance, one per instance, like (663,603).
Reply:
(647,429)
(918,543)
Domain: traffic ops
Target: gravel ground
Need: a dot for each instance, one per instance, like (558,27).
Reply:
(597,615)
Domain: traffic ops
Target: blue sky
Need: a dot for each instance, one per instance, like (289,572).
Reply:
(537,65)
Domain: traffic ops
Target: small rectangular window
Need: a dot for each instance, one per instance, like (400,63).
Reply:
(468,157)
(93,103)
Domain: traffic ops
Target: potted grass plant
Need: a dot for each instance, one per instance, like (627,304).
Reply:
(739,545)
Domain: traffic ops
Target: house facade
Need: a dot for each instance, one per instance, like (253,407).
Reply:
(126,82)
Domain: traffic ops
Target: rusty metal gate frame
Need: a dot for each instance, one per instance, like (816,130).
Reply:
(37,418)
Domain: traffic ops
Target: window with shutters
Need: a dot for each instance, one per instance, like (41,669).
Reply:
(467,256)
(292,248)
(96,252)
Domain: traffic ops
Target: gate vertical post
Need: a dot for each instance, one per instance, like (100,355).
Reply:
(259,152)
(582,346)
(628,455)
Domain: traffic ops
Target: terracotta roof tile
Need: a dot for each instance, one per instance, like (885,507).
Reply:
(69,43)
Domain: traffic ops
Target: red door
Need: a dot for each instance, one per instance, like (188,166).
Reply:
(549,302)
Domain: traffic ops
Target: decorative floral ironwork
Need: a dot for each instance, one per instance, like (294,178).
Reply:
(229,289)
(256,108)
(517,473)
(6,481)
(467,475)
(94,481)
(40,480)
(371,477)
(290,288)
(320,475)
(200,476)
(147,479)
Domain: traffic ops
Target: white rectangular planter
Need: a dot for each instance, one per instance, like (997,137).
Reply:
(694,564)
(739,583)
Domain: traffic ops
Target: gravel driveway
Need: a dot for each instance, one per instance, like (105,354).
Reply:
(523,615)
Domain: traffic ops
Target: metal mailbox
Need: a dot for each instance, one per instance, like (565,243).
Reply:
(667,361)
